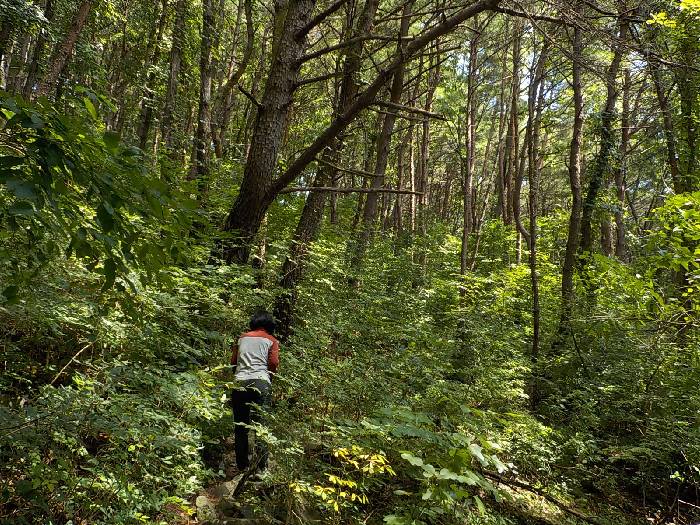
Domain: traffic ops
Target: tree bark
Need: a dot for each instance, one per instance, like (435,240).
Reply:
(535,108)
(255,194)
(601,164)
(146,113)
(621,172)
(567,278)
(469,162)
(200,164)
(168,120)
(64,51)
(224,101)
(259,186)
(369,215)
(512,139)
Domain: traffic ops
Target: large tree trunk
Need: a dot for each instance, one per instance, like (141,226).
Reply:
(259,187)
(255,196)
(64,51)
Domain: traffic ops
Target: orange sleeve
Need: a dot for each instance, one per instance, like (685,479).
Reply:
(234,354)
(273,357)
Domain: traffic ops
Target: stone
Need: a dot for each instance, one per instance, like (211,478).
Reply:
(206,510)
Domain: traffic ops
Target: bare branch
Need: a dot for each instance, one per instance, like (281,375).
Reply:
(349,190)
(249,95)
(319,18)
(410,109)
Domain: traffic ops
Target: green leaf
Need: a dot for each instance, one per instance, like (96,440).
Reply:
(90,107)
(10,292)
(475,451)
(21,208)
(110,273)
(413,460)
(21,189)
(105,216)
(111,140)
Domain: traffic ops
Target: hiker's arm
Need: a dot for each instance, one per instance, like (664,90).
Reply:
(273,357)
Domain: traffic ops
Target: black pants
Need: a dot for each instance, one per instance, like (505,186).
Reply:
(247,404)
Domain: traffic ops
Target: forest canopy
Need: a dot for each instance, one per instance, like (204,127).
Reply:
(476,224)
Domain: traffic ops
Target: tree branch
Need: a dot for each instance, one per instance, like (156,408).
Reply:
(319,18)
(410,109)
(348,190)
(366,97)
(313,80)
(249,95)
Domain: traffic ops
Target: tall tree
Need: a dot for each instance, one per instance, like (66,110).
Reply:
(259,186)
(63,52)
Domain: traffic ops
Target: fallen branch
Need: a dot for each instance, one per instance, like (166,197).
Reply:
(541,493)
(69,363)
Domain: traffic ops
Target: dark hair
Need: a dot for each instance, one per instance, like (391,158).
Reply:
(264,320)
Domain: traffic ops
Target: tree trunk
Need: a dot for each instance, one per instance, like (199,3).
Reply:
(512,139)
(64,51)
(146,113)
(468,179)
(168,119)
(37,54)
(255,196)
(383,141)
(621,172)
(567,276)
(200,164)
(5,45)
(224,100)
(535,115)
(601,164)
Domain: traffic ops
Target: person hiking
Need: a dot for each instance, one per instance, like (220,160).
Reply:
(254,358)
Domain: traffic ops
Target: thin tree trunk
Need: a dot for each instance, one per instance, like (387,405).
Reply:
(38,52)
(200,166)
(535,115)
(567,276)
(383,141)
(470,130)
(601,164)
(224,101)
(621,172)
(168,120)
(512,139)
(146,113)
